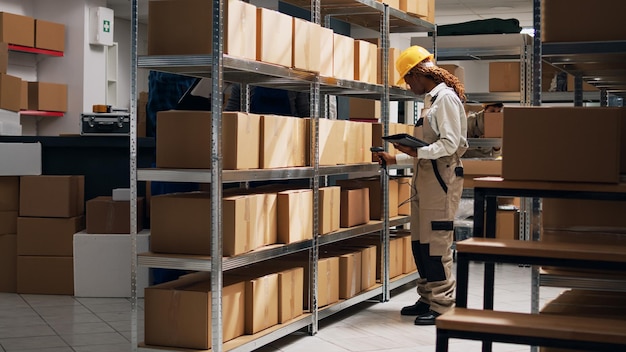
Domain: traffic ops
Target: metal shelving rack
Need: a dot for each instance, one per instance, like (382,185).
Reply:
(219,68)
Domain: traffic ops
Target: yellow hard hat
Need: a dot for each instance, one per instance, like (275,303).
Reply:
(409,58)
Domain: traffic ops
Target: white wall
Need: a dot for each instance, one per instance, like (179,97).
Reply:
(122,37)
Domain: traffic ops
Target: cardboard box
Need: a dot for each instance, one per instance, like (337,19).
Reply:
(4,57)
(104,215)
(181,223)
(357,137)
(19,159)
(49,35)
(375,194)
(579,214)
(507,224)
(405,194)
(343,57)
(393,75)
(8,222)
(456,70)
(102,265)
(183,140)
(47,96)
(290,294)
(45,275)
(493,124)
(24,96)
(52,196)
(417,8)
(9,192)
(268,218)
(326,52)
(17,29)
(599,20)
(364,109)
(276,133)
(295,216)
(193,22)
(178,313)
(327,281)
(355,208)
(482,167)
(349,275)
(261,308)
(306,45)
(241,224)
(10,92)
(392,3)
(331,142)
(365,61)
(240,30)
(47,236)
(274,37)
(504,76)
(541,159)
(408,260)
(8,263)
(329,200)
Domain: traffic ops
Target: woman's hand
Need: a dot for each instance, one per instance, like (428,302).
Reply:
(386,157)
(406,150)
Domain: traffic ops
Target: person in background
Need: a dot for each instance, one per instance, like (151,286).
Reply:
(164,93)
(476,129)
(438,179)
(271,101)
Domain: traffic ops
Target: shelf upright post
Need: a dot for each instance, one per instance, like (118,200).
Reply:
(604,97)
(535,203)
(578,89)
(216,176)
(315,116)
(134,343)
(384,178)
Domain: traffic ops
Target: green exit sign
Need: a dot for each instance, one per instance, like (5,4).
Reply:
(106,26)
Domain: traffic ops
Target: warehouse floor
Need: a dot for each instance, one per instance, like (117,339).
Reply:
(64,324)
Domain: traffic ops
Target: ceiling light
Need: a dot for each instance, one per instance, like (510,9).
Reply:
(502,8)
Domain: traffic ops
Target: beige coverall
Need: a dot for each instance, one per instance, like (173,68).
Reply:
(438,186)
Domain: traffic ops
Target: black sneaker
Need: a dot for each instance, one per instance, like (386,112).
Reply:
(418,308)
(427,318)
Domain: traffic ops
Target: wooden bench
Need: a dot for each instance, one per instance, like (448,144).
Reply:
(549,330)
(558,254)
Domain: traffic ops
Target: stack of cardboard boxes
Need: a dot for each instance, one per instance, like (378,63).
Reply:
(51,211)
(9,206)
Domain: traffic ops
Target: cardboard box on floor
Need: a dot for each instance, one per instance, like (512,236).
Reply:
(561,138)
(48,275)
(52,196)
(17,29)
(9,193)
(8,262)
(8,222)
(47,236)
(178,313)
(104,215)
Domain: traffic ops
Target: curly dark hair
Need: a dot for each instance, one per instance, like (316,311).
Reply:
(440,75)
